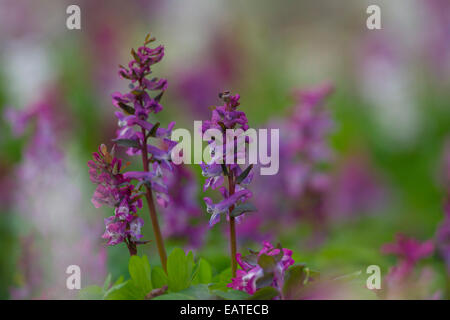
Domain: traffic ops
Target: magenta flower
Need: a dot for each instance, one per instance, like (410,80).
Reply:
(137,104)
(258,272)
(305,138)
(302,186)
(223,206)
(43,176)
(235,197)
(225,117)
(403,280)
(115,190)
(409,249)
(134,132)
(214,175)
(356,189)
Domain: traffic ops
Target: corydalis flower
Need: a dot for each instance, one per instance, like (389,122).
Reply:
(409,249)
(401,280)
(115,190)
(305,139)
(264,268)
(134,134)
(356,189)
(302,185)
(57,215)
(134,127)
(226,117)
(223,206)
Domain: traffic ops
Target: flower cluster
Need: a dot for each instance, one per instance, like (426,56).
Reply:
(401,279)
(264,268)
(227,117)
(57,218)
(114,187)
(304,142)
(134,126)
(303,151)
(115,190)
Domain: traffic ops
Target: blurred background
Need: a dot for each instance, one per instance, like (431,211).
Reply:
(383,129)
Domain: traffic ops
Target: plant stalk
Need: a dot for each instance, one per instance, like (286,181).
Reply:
(151,207)
(231,188)
(131,247)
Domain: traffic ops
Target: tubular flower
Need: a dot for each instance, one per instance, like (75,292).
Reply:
(115,190)
(226,117)
(301,187)
(135,107)
(114,187)
(403,280)
(264,268)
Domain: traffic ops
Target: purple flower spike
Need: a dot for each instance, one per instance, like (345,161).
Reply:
(225,117)
(115,190)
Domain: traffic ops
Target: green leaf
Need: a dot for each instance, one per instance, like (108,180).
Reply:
(294,281)
(91,293)
(125,291)
(251,258)
(177,270)
(118,281)
(244,174)
(152,132)
(203,272)
(159,96)
(174,296)
(265,281)
(127,143)
(128,109)
(135,56)
(190,263)
(266,293)
(140,273)
(199,291)
(107,282)
(266,262)
(225,276)
(117,285)
(159,277)
(243,208)
(224,169)
(232,294)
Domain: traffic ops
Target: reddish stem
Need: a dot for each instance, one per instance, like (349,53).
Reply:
(151,206)
(231,187)
(131,247)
